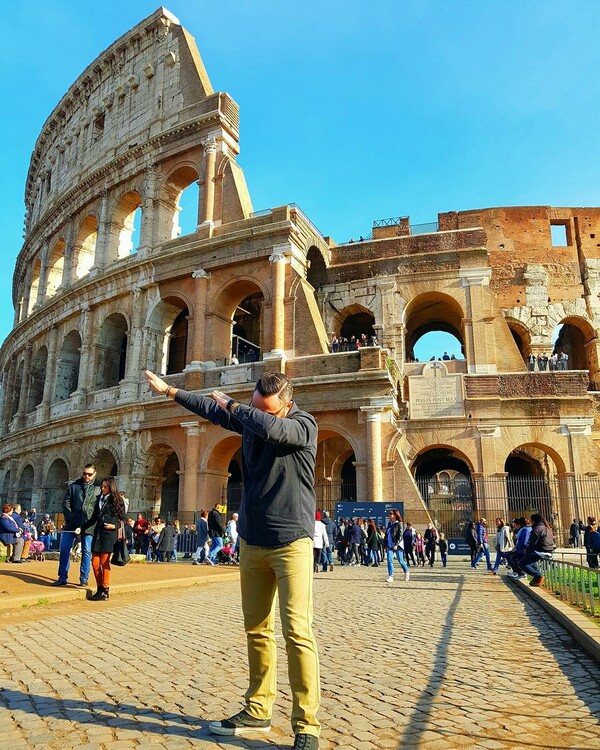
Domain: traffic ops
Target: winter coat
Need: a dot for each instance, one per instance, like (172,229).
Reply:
(79,504)
(503,543)
(320,539)
(329,528)
(541,539)
(103,540)
(166,540)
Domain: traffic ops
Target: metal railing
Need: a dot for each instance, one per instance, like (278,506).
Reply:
(391,222)
(574,583)
(427,228)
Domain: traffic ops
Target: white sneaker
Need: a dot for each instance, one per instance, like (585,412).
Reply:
(390,579)
(522,575)
(512,574)
(407,576)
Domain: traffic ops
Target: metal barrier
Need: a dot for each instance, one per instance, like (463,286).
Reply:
(575,583)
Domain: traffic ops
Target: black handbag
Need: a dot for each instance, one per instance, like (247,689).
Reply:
(120,555)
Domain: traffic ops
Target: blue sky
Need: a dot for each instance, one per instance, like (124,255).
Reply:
(355,110)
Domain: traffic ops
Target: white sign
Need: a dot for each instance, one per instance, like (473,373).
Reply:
(435,394)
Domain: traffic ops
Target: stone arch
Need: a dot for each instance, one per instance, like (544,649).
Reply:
(25,486)
(316,267)
(163,461)
(67,367)
(85,246)
(578,339)
(214,464)
(106,463)
(237,329)
(37,378)
(111,349)
(353,320)
(181,179)
(126,220)
(335,469)
(432,311)
(57,480)
(536,451)
(168,325)
(521,336)
(56,262)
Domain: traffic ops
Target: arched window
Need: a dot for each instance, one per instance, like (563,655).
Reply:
(25,487)
(17,390)
(35,285)
(37,379)
(574,344)
(434,313)
(181,192)
(85,247)
(247,329)
(56,263)
(67,369)
(112,351)
(106,464)
(169,494)
(176,356)
(316,274)
(127,221)
(57,480)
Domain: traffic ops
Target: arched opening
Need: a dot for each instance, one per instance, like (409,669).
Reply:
(85,247)
(111,351)
(574,345)
(521,337)
(316,273)
(127,221)
(529,470)
(56,263)
(335,471)
(357,326)
(433,313)
(37,379)
(169,492)
(35,285)
(25,487)
(168,335)
(247,329)
(57,480)
(106,464)
(16,394)
(182,193)
(443,476)
(177,343)
(438,345)
(235,483)
(67,368)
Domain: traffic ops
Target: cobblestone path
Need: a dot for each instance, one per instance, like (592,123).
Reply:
(452,659)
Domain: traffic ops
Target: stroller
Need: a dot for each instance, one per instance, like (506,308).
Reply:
(226,555)
(36,550)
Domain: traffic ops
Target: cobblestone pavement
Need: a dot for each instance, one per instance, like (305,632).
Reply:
(451,659)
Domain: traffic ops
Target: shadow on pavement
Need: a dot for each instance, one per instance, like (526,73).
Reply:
(121,716)
(27,577)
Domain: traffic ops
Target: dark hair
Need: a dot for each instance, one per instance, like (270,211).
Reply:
(7,508)
(116,501)
(90,466)
(275,384)
(372,523)
(538,518)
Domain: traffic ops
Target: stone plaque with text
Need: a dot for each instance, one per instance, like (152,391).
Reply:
(435,394)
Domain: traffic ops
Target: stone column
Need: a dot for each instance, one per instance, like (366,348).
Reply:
(189,497)
(374,458)
(278,261)
(68,275)
(103,236)
(133,365)
(86,361)
(24,385)
(41,295)
(478,321)
(567,504)
(126,468)
(147,229)
(208,194)
(43,410)
(8,393)
(198,354)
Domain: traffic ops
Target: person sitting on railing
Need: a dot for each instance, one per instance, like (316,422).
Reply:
(513,558)
(591,542)
(540,547)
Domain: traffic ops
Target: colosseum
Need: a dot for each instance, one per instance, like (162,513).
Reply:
(106,285)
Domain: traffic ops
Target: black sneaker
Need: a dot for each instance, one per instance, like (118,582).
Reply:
(306,742)
(242,723)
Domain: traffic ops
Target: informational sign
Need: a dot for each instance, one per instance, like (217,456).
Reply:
(458,547)
(434,393)
(377,511)
(222,509)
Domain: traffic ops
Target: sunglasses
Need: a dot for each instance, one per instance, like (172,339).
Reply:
(88,473)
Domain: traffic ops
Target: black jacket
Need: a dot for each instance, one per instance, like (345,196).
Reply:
(541,539)
(215,524)
(278,468)
(103,540)
(77,511)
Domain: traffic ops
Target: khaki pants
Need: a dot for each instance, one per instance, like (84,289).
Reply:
(287,571)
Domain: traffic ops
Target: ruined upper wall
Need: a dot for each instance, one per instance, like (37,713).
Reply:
(148,82)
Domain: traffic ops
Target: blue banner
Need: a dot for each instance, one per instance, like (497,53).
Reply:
(458,547)
(377,511)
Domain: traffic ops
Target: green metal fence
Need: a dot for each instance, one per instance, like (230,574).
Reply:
(574,583)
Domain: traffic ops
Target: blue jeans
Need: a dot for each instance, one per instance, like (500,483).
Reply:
(529,565)
(444,559)
(373,557)
(499,556)
(485,551)
(215,545)
(326,557)
(64,560)
(399,556)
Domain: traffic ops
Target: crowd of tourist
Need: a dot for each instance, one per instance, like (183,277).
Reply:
(353,344)
(556,361)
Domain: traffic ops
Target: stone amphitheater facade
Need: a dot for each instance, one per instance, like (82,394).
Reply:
(95,305)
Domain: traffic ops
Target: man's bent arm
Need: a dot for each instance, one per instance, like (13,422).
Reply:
(208,409)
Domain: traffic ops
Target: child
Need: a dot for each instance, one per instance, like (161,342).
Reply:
(419,550)
(443,545)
